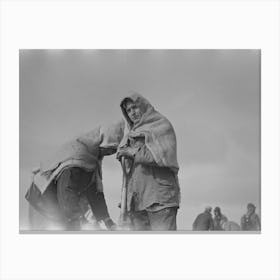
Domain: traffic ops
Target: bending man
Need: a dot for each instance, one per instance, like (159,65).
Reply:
(66,188)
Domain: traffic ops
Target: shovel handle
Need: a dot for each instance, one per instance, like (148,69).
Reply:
(124,189)
(123,221)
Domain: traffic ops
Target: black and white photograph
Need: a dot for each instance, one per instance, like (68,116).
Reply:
(126,140)
(139,140)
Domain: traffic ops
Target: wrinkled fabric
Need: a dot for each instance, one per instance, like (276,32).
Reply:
(152,182)
(73,186)
(151,187)
(82,152)
(161,220)
(84,148)
(159,134)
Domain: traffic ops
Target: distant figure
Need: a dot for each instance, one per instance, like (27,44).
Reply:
(250,221)
(230,226)
(219,219)
(204,221)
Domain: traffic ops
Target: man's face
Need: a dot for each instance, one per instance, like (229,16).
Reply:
(133,112)
(251,209)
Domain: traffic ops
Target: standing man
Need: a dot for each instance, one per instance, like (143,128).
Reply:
(204,221)
(219,219)
(150,152)
(250,220)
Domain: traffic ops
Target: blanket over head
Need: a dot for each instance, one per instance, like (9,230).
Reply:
(159,134)
(84,151)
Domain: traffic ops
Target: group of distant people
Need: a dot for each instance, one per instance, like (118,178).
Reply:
(205,222)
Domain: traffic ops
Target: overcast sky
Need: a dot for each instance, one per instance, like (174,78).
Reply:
(212,98)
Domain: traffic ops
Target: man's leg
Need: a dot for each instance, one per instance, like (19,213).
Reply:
(69,186)
(164,219)
(140,220)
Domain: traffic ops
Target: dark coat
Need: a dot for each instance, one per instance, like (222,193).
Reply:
(250,222)
(203,221)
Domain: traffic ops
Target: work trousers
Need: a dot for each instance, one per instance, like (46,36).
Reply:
(162,220)
(75,189)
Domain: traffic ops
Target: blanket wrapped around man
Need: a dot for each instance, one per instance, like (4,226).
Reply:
(152,180)
(159,133)
(85,151)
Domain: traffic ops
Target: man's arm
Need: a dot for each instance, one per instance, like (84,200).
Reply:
(139,155)
(144,156)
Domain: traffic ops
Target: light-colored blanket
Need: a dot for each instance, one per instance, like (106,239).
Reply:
(83,151)
(231,226)
(159,134)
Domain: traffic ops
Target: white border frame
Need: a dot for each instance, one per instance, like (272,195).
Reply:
(155,24)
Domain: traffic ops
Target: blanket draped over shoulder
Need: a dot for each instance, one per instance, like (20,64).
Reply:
(159,134)
(83,151)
